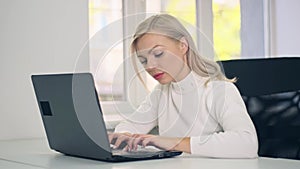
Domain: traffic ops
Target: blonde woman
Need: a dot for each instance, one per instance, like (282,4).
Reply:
(196,108)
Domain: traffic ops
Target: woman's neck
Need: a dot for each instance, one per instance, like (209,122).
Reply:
(183,73)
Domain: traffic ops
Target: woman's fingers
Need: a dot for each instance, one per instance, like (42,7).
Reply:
(131,140)
(126,148)
(146,142)
(129,144)
(118,139)
(111,137)
(136,142)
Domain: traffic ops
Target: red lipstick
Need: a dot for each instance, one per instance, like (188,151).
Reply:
(158,76)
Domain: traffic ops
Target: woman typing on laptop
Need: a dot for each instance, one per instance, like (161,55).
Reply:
(196,108)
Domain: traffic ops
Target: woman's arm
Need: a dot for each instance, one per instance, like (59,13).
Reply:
(238,138)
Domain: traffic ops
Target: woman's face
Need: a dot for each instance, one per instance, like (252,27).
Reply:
(163,58)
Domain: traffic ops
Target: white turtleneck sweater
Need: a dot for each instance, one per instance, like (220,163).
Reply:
(213,116)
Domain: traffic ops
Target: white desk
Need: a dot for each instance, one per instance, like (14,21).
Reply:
(36,154)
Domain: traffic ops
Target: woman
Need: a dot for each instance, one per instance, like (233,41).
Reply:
(196,108)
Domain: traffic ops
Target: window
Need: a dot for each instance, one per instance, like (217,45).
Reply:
(106,61)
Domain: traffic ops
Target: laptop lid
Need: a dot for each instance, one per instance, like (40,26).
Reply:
(72,115)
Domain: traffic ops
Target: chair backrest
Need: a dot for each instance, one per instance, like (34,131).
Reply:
(270,88)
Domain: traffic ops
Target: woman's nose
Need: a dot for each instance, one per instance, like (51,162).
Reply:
(151,64)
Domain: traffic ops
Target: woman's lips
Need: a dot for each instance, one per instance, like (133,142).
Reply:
(158,76)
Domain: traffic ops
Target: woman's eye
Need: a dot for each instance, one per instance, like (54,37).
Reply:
(143,61)
(158,54)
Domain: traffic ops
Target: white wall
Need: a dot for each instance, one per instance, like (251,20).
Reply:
(36,36)
(285,27)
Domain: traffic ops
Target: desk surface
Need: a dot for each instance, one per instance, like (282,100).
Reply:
(35,154)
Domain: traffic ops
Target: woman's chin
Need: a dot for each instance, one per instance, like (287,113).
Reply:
(164,81)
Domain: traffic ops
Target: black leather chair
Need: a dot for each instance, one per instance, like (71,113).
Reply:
(270,88)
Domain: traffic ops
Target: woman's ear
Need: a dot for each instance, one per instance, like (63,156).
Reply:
(184,45)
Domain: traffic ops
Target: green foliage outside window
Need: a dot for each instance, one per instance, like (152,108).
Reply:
(227,31)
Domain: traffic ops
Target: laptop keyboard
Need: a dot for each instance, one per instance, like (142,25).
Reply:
(141,151)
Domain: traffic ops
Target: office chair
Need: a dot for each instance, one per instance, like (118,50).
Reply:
(270,88)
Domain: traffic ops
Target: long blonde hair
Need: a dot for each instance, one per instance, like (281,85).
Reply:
(170,27)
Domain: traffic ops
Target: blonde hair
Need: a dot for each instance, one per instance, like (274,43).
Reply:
(170,27)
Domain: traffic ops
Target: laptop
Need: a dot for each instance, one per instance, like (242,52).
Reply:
(73,119)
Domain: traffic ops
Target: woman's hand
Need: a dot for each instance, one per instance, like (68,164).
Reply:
(166,143)
(133,140)
(126,141)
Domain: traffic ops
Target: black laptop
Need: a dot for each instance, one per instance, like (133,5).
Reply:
(73,120)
